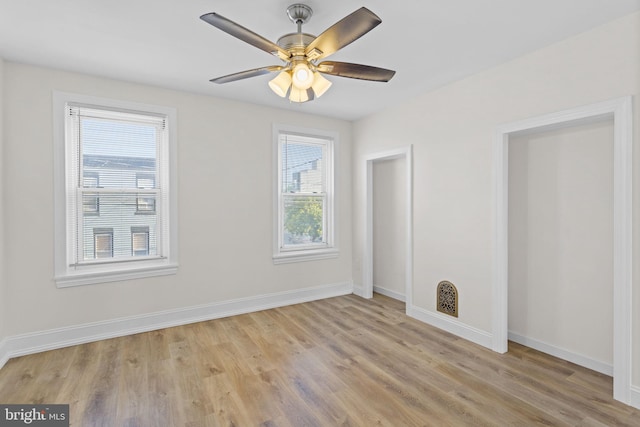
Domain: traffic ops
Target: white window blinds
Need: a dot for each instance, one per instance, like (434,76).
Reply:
(304,202)
(116,181)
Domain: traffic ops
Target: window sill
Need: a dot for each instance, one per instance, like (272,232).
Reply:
(113,274)
(305,255)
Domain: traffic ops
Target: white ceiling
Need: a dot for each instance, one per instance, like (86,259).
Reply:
(163,42)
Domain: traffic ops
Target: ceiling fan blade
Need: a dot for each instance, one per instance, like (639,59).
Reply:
(246,74)
(342,33)
(355,71)
(244,34)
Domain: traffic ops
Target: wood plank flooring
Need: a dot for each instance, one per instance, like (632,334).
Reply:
(342,361)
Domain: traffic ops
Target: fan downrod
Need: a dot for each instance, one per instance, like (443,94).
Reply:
(296,42)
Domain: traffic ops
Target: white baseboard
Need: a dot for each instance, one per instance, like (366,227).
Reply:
(4,352)
(389,293)
(358,290)
(564,354)
(35,342)
(635,397)
(451,325)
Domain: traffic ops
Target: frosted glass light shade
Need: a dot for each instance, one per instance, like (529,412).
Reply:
(298,95)
(280,83)
(320,84)
(302,76)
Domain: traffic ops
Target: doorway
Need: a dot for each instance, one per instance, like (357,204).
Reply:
(620,110)
(561,242)
(383,163)
(389,225)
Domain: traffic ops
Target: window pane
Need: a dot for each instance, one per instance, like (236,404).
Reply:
(145,180)
(119,213)
(116,152)
(302,168)
(91,179)
(90,204)
(303,220)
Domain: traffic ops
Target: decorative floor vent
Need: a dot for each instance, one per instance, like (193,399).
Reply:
(447,298)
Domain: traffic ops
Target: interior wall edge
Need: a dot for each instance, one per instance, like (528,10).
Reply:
(388,292)
(358,290)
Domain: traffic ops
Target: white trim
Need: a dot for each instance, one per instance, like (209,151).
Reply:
(358,290)
(499,315)
(388,292)
(51,339)
(331,249)
(634,399)
(621,111)
(66,276)
(367,264)
(451,325)
(308,255)
(115,276)
(570,356)
(5,353)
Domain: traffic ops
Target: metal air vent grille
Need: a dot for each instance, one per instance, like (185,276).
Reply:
(447,298)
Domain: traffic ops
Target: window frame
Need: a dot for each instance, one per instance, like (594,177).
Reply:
(68,273)
(316,251)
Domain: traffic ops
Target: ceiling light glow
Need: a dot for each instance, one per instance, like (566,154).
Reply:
(320,84)
(280,84)
(302,76)
(298,95)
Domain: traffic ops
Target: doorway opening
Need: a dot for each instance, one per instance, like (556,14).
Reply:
(393,170)
(389,225)
(561,242)
(620,110)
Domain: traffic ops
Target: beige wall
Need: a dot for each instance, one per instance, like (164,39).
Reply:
(561,239)
(225,205)
(452,129)
(389,225)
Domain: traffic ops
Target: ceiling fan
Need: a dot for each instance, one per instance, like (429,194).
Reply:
(300,78)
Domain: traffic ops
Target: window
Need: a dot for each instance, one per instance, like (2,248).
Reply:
(115,161)
(140,241)
(304,195)
(145,181)
(90,201)
(103,242)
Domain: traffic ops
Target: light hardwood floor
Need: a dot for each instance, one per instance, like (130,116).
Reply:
(343,361)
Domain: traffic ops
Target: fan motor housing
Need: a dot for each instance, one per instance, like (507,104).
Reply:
(295,41)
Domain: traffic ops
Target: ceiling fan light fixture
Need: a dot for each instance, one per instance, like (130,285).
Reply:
(298,95)
(320,84)
(302,76)
(298,78)
(280,84)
